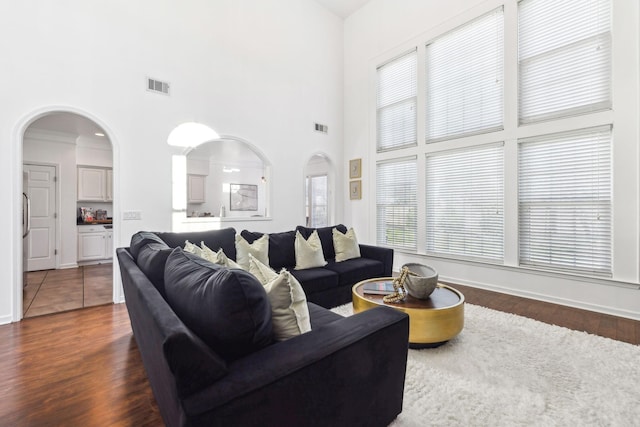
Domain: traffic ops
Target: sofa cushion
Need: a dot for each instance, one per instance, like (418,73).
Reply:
(289,311)
(326,237)
(345,245)
(193,248)
(308,252)
(152,258)
(281,250)
(258,248)
(316,279)
(320,316)
(354,270)
(227,308)
(219,257)
(140,239)
(215,239)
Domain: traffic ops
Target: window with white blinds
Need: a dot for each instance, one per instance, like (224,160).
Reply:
(464,79)
(396,203)
(565,201)
(465,203)
(564,58)
(396,102)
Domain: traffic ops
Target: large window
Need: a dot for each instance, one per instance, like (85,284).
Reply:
(397,203)
(565,58)
(542,198)
(565,201)
(465,194)
(464,82)
(396,102)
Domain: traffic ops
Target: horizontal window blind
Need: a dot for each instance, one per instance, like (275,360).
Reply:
(564,58)
(396,203)
(565,201)
(465,202)
(464,81)
(396,102)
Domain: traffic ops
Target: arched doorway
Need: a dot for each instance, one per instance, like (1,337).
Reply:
(64,142)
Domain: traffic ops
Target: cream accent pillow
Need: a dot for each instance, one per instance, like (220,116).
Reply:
(309,252)
(219,257)
(191,248)
(289,310)
(346,245)
(259,249)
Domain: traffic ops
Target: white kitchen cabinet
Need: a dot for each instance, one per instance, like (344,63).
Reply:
(195,188)
(94,243)
(109,185)
(108,248)
(95,184)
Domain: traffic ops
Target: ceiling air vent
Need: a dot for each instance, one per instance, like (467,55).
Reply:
(321,128)
(157,86)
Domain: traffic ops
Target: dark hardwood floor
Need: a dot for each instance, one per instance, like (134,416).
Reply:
(617,328)
(82,367)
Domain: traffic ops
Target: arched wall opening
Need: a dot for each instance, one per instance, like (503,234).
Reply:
(225,180)
(319,191)
(24,129)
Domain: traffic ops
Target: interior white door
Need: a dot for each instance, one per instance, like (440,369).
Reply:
(41,189)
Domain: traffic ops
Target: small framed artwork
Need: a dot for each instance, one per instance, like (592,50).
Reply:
(355,168)
(355,190)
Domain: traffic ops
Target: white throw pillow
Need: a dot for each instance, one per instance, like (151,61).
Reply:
(191,248)
(346,245)
(289,310)
(259,249)
(309,252)
(219,257)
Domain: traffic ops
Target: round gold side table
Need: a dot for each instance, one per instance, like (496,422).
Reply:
(432,321)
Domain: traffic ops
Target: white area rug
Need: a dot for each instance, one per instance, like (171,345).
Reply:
(508,370)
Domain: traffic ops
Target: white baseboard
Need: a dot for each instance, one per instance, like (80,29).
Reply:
(5,320)
(69,265)
(546,298)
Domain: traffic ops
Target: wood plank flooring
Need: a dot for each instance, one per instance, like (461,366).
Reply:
(617,328)
(83,368)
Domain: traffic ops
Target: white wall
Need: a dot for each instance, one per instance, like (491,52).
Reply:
(262,70)
(382,29)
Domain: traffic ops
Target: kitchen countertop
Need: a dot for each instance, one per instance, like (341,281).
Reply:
(97,222)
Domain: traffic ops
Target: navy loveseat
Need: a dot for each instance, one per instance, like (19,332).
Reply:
(204,333)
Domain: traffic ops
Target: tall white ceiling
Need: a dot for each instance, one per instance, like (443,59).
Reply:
(343,8)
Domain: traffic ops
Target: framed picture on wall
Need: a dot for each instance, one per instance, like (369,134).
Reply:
(355,190)
(243,197)
(355,168)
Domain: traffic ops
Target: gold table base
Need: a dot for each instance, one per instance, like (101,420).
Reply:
(432,321)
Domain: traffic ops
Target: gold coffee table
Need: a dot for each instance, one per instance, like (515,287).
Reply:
(432,321)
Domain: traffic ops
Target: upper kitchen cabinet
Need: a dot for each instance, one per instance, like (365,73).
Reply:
(95,184)
(195,188)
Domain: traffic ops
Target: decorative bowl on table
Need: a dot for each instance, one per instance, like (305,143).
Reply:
(422,282)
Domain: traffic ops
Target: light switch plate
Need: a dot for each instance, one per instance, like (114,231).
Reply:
(131,215)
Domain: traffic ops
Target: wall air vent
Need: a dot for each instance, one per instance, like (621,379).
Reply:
(157,86)
(321,128)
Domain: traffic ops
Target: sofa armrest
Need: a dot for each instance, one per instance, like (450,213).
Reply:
(384,255)
(339,371)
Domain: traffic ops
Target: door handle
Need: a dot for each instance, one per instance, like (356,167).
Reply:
(26,220)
